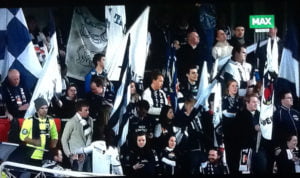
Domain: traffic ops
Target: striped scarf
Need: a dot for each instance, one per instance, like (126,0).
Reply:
(272,56)
(86,127)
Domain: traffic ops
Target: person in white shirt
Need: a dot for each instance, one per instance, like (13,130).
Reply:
(238,69)
(105,154)
(222,48)
(155,96)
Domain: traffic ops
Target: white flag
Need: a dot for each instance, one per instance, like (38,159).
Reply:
(267,100)
(134,62)
(217,117)
(87,37)
(115,26)
(217,105)
(202,88)
(50,81)
(139,45)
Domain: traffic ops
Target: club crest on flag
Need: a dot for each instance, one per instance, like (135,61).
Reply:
(87,37)
(268,90)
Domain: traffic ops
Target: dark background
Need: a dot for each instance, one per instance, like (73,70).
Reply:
(236,12)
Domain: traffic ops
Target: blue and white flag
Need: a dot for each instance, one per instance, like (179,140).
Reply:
(115,18)
(135,52)
(122,100)
(87,37)
(288,76)
(171,77)
(122,125)
(16,48)
(50,81)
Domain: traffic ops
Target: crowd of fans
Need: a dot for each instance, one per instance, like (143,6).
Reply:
(164,137)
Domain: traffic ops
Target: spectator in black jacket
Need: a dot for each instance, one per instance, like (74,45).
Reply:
(189,54)
(285,122)
(288,158)
(101,105)
(214,165)
(190,84)
(168,157)
(141,158)
(247,128)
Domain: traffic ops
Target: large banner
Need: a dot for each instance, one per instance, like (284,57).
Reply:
(87,37)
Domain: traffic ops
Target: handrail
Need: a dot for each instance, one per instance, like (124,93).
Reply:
(60,172)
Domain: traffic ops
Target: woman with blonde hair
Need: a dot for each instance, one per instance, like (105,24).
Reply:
(231,104)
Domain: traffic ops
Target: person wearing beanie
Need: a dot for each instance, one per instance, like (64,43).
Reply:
(39,133)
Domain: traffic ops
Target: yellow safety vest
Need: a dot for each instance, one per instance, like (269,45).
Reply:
(26,131)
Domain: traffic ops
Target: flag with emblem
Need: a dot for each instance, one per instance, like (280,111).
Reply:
(267,101)
(16,48)
(87,37)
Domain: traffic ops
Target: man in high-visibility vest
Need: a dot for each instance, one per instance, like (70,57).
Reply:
(39,132)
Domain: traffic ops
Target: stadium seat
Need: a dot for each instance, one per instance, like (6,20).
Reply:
(4,129)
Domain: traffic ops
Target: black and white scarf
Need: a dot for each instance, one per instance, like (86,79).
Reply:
(16,95)
(158,98)
(86,127)
(272,56)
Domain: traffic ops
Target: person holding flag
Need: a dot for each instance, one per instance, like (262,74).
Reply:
(272,50)
(193,136)
(238,69)
(249,140)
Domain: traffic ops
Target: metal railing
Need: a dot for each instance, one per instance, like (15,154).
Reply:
(41,171)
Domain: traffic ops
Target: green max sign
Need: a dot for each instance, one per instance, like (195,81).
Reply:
(261,21)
